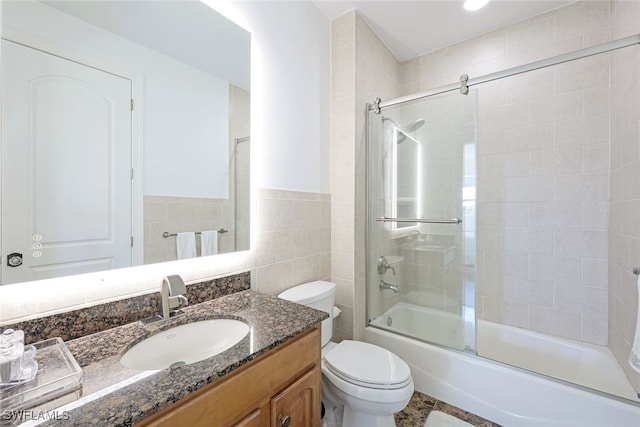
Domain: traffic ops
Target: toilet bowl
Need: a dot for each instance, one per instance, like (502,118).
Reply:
(362,384)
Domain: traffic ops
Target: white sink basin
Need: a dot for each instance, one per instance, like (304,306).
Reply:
(185,344)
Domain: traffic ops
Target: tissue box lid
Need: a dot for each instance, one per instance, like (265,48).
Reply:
(58,374)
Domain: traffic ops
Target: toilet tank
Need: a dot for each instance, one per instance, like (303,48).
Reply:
(319,295)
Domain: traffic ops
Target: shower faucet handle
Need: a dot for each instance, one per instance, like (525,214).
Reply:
(383,266)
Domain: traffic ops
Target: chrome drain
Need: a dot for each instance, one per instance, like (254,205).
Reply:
(389,321)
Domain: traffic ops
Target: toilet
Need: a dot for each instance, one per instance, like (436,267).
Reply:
(362,384)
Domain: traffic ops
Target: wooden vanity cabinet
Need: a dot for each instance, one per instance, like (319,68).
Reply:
(280,388)
(297,405)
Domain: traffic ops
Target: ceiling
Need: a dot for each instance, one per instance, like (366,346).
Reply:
(408,28)
(412,28)
(188,31)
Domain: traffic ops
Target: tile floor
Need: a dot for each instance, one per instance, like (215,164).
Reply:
(416,412)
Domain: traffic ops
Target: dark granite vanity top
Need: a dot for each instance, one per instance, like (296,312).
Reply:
(116,396)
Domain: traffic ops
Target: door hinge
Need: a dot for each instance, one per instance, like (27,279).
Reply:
(132,173)
(131,241)
(132,104)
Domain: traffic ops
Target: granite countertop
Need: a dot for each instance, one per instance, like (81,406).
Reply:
(117,396)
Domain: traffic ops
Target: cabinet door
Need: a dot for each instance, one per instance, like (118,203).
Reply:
(299,404)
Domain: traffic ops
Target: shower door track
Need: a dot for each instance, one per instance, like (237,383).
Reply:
(532,66)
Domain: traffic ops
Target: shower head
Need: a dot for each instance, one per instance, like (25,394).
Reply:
(411,127)
(404,130)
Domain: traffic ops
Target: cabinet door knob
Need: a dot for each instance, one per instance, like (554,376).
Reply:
(284,421)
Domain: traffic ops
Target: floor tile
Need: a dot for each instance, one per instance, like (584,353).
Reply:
(420,405)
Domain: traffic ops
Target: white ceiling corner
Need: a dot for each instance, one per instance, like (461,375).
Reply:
(413,28)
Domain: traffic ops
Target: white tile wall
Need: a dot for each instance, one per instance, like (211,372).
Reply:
(296,245)
(342,154)
(543,170)
(624,231)
(362,68)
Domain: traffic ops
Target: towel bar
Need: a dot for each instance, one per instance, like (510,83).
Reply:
(425,221)
(167,234)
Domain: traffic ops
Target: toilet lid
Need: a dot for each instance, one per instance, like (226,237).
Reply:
(368,365)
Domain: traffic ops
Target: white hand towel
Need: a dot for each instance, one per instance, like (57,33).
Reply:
(209,243)
(186,245)
(634,357)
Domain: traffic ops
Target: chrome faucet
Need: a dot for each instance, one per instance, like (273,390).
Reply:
(383,266)
(172,291)
(384,285)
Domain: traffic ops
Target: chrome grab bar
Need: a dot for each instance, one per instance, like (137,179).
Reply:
(424,221)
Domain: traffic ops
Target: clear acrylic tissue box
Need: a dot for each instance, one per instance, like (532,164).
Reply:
(58,374)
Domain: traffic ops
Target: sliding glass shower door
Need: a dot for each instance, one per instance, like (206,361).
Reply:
(421,256)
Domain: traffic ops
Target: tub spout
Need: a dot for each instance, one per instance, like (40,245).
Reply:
(384,285)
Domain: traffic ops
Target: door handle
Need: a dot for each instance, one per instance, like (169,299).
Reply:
(284,421)
(14,260)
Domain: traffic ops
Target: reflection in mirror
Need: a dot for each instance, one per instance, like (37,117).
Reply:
(404,172)
(115,133)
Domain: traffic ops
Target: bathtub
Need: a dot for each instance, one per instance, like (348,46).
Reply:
(497,391)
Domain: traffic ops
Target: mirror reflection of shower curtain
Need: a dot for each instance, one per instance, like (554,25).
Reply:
(242,185)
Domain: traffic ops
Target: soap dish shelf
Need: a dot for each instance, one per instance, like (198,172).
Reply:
(58,374)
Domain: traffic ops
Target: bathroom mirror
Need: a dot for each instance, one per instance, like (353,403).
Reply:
(124,123)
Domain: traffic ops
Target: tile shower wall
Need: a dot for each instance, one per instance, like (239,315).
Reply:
(361,69)
(543,149)
(624,229)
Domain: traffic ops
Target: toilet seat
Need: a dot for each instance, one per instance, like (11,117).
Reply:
(367,365)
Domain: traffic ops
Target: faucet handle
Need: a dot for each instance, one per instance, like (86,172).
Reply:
(172,294)
(383,266)
(177,302)
(176,285)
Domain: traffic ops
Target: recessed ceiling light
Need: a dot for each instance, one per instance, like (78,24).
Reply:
(474,4)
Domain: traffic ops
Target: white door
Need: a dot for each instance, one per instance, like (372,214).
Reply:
(66,167)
